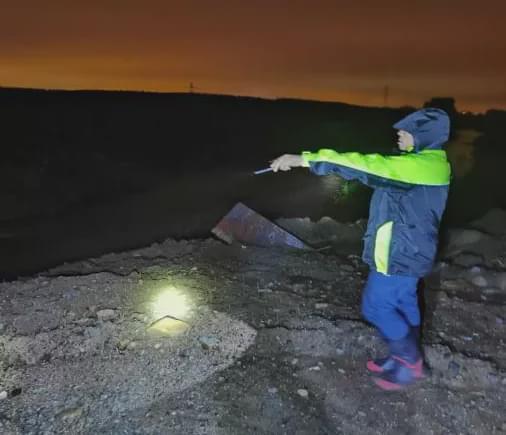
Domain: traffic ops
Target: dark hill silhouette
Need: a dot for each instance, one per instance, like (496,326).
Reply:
(88,172)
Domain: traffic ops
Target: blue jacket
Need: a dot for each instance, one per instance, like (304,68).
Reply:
(410,192)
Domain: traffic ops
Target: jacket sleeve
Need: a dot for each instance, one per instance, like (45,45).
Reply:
(375,170)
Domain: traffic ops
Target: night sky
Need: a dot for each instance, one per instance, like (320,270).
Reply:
(326,50)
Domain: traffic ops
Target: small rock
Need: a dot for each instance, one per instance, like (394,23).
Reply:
(132,345)
(347,268)
(106,315)
(139,317)
(501,280)
(453,368)
(294,361)
(479,281)
(3,395)
(342,371)
(320,305)
(208,342)
(264,290)
(492,222)
(302,392)
(468,260)
(272,390)
(459,238)
(71,413)
(123,344)
(362,414)
(315,368)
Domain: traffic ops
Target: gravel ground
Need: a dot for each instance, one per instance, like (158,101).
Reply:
(197,337)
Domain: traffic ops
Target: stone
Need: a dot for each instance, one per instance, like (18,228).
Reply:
(459,238)
(30,324)
(3,395)
(321,305)
(71,413)
(500,281)
(494,222)
(106,315)
(479,281)
(123,344)
(168,326)
(132,345)
(208,342)
(468,260)
(303,393)
(453,368)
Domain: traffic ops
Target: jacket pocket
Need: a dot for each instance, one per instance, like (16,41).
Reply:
(382,247)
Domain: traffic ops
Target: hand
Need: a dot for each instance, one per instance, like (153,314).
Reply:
(287,162)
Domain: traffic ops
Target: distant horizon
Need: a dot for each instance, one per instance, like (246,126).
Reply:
(388,54)
(269,98)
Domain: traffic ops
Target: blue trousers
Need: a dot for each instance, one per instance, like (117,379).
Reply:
(390,303)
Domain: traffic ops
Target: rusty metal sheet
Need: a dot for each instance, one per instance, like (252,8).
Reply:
(245,225)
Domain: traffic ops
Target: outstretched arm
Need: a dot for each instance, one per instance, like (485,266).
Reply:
(428,167)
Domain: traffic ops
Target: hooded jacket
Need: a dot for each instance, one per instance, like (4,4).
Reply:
(410,192)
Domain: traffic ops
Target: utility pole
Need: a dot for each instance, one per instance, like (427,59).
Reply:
(386,91)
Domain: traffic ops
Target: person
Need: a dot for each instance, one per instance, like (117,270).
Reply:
(400,243)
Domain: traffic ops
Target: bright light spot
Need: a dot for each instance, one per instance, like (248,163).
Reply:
(172,302)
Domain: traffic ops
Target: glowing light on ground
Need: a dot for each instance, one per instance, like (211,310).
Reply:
(171,302)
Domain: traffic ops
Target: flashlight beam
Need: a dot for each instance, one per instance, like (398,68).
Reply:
(262,171)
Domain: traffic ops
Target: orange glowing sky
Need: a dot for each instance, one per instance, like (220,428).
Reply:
(328,50)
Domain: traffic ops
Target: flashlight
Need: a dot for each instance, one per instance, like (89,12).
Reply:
(262,171)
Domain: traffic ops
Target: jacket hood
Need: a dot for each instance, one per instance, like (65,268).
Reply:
(430,128)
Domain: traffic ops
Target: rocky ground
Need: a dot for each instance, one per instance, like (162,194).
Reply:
(198,337)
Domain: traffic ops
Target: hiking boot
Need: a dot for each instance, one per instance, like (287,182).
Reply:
(403,367)
(380,365)
(400,375)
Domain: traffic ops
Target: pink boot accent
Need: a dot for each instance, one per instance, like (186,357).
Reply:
(387,385)
(395,380)
(373,367)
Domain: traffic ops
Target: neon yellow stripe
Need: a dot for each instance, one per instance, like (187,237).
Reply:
(382,247)
(428,167)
